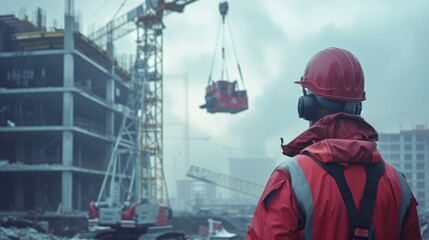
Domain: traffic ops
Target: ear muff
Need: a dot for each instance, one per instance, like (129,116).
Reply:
(358,108)
(353,108)
(307,107)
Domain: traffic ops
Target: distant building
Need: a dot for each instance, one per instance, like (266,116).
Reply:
(409,152)
(194,193)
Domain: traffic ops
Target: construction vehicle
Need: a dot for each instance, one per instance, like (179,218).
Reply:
(132,202)
(224,95)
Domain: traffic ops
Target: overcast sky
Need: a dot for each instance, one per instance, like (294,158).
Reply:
(274,40)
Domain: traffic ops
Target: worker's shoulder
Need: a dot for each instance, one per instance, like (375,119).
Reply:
(392,172)
(291,165)
(296,161)
(284,167)
(281,172)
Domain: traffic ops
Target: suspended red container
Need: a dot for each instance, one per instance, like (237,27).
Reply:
(224,96)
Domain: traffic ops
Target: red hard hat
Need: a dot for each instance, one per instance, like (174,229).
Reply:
(335,73)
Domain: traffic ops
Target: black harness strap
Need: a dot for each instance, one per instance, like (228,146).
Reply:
(360,221)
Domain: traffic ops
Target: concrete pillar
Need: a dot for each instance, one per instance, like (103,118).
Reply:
(68,102)
(110,98)
(66,191)
(110,117)
(67,177)
(19,192)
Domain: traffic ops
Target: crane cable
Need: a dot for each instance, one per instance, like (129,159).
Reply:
(236,55)
(119,9)
(96,11)
(214,55)
(223,7)
(104,4)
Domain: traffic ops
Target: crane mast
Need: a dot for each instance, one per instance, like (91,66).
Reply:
(149,70)
(133,192)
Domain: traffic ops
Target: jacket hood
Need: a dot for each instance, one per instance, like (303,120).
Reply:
(342,138)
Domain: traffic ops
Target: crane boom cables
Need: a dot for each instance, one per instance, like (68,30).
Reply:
(119,9)
(224,69)
(235,53)
(214,55)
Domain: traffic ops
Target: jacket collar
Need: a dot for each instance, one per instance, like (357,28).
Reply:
(341,137)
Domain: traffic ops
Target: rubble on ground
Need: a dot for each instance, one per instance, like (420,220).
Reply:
(22,229)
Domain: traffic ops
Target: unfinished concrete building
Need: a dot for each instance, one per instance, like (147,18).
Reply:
(61,105)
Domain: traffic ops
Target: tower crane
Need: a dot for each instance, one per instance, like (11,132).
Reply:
(133,192)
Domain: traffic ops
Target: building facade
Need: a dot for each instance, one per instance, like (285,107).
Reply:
(61,104)
(409,152)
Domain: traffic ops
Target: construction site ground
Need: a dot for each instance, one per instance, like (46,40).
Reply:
(59,227)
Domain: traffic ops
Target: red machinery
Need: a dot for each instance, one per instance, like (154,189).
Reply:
(131,216)
(224,96)
(143,221)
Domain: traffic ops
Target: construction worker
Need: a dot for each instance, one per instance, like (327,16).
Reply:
(337,185)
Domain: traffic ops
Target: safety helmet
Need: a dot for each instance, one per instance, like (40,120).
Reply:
(334,73)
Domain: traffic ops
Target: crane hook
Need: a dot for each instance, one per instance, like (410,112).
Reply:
(223,9)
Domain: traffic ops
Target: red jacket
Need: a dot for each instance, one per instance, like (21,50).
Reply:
(302,201)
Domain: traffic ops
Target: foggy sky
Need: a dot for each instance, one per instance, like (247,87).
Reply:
(274,40)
